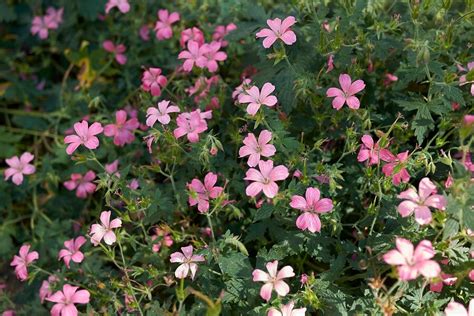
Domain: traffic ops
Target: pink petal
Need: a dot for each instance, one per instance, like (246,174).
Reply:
(253,189)
(405,247)
(423,251)
(298,202)
(285,272)
(426,188)
(289,37)
(406,208)
(182,271)
(353,102)
(270,189)
(345,82)
(394,257)
(423,215)
(81,297)
(260,276)
(338,102)
(281,288)
(334,92)
(429,268)
(279,173)
(356,87)
(268,42)
(266,291)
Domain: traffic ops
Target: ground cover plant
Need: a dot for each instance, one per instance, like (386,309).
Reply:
(236,157)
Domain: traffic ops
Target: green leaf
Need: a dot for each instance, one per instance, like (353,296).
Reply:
(264,212)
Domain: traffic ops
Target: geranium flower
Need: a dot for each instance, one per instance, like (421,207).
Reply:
(72,251)
(212,55)
(45,289)
(39,26)
(190,124)
(194,55)
(287,310)
(144,33)
(273,280)
(22,261)
(160,114)
(82,184)
(122,5)
(201,193)
(311,207)
(463,79)
(117,50)
(372,152)
(191,34)
(256,99)
(188,262)
(446,279)
(163,25)
(330,63)
(255,148)
(153,81)
(122,130)
(278,30)
(457,309)
(166,239)
(346,95)
(104,230)
(410,264)
(241,88)
(85,135)
(221,31)
(53,17)
(111,168)
(264,180)
(19,167)
(420,203)
(398,162)
(66,299)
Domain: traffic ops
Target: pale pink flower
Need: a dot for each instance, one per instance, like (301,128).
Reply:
(161,113)
(420,203)
(221,31)
(112,168)
(330,63)
(122,130)
(446,279)
(166,239)
(187,260)
(463,79)
(85,135)
(468,119)
(163,25)
(449,181)
(53,17)
(411,263)
(122,5)
(117,50)
(72,251)
(287,310)
(346,95)
(194,55)
(256,148)
(104,230)
(201,193)
(278,30)
(190,124)
(273,280)
(399,162)
(82,184)
(303,279)
(39,26)
(471,275)
(457,309)
(22,261)
(212,55)
(311,206)
(325,25)
(241,88)
(372,152)
(256,98)
(191,34)
(133,185)
(149,139)
(264,178)
(19,167)
(45,289)
(153,81)
(66,299)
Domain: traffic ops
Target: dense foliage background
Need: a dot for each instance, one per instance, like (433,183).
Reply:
(410,54)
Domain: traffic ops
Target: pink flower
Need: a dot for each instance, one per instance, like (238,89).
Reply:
(398,162)
(9,312)
(241,88)
(273,280)
(104,230)
(66,299)
(372,152)
(221,31)
(449,181)
(330,63)
(255,148)
(447,279)
(191,34)
(117,50)
(19,167)
(311,207)
(413,263)
(457,309)
(53,17)
(45,289)
(22,261)
(160,114)
(468,119)
(194,55)
(264,180)
(471,275)
(463,79)
(166,239)
(420,202)
(287,310)
(278,30)
(144,33)
(122,5)
(122,130)
(111,168)
(39,26)
(190,124)
(346,95)
(212,55)
(153,81)
(133,185)
(187,260)
(163,25)
(85,135)
(256,99)
(82,184)
(72,251)
(201,193)
(389,79)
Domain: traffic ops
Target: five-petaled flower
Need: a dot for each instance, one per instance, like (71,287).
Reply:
(22,261)
(191,124)
(273,279)
(221,31)
(346,93)
(104,230)
(255,148)
(188,262)
(278,30)
(153,81)
(122,130)
(457,309)
(82,184)
(161,113)
(287,310)
(201,193)
(66,299)
(117,50)
(212,55)
(412,262)
(264,178)
(193,56)
(72,250)
(397,163)
(311,206)
(122,5)
(256,98)
(19,167)
(191,34)
(420,203)
(371,152)
(163,25)
(85,135)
